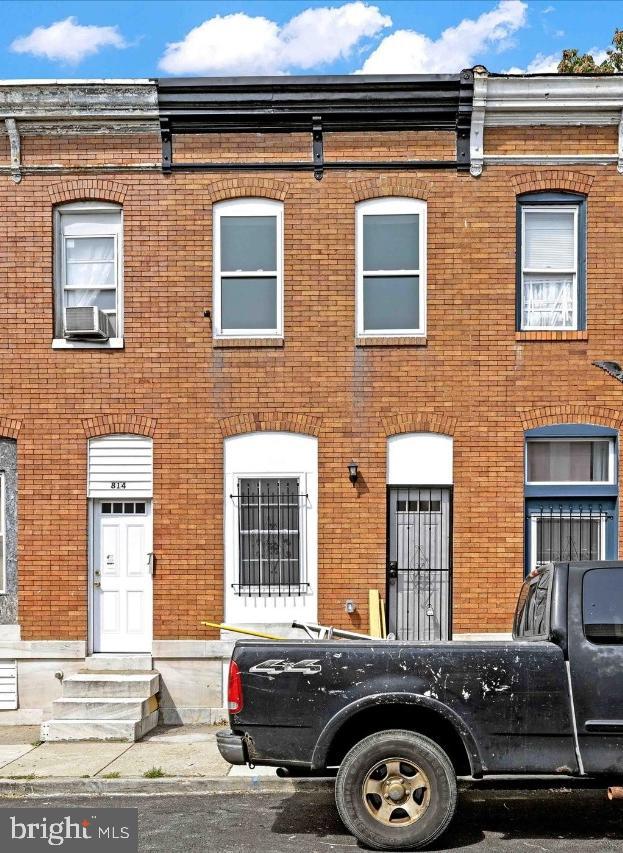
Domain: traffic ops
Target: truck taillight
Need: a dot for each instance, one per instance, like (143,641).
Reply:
(234,689)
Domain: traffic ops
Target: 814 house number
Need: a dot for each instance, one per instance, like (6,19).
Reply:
(117,484)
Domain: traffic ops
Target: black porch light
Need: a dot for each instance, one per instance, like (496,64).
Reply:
(353,471)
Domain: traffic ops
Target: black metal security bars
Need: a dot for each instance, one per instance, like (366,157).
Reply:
(316,105)
(269,517)
(569,534)
(420,560)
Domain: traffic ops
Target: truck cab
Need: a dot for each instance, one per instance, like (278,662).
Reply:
(579,606)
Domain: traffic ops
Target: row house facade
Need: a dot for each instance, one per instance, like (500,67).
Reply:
(268,344)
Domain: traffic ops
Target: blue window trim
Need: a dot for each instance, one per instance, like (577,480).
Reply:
(555,198)
(574,495)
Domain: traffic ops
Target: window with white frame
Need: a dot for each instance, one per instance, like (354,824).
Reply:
(88,273)
(576,460)
(269,528)
(248,268)
(391,267)
(552,286)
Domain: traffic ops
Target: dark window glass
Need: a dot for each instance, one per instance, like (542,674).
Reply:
(249,303)
(249,243)
(391,302)
(602,605)
(117,507)
(391,242)
(106,508)
(140,508)
(269,533)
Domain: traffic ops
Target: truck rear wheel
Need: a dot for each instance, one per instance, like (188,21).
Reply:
(396,790)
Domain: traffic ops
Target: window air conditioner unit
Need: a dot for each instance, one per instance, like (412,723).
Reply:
(90,322)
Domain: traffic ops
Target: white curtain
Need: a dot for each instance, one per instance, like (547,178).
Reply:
(548,302)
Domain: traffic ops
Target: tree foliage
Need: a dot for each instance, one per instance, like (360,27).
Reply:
(573,62)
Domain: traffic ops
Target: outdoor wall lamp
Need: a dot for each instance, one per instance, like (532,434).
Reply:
(350,606)
(353,471)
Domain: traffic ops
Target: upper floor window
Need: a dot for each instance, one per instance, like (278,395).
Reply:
(391,267)
(551,262)
(88,274)
(248,268)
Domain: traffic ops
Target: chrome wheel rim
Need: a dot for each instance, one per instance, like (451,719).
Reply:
(396,792)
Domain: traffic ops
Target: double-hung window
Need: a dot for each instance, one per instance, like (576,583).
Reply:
(391,267)
(88,275)
(551,291)
(248,268)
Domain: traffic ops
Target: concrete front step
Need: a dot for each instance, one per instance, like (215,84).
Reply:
(118,663)
(111,685)
(103,709)
(120,730)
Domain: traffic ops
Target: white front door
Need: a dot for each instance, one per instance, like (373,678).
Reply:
(121,575)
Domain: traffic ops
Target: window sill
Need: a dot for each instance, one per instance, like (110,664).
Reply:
(247,343)
(552,336)
(111,343)
(371,341)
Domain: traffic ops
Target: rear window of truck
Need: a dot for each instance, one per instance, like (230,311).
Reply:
(602,605)
(533,607)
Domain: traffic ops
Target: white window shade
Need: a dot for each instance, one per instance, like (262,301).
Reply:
(549,240)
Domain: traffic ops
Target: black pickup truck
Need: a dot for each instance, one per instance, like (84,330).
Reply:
(400,721)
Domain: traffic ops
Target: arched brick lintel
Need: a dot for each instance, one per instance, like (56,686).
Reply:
(85,189)
(418,422)
(248,187)
(389,186)
(273,421)
(9,428)
(546,180)
(571,414)
(111,424)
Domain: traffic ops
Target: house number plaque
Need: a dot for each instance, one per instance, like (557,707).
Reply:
(117,484)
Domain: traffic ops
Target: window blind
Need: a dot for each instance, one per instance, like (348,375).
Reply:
(549,240)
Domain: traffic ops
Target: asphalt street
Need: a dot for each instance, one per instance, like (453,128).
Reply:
(567,821)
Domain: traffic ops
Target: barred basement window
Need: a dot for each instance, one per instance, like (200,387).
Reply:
(269,537)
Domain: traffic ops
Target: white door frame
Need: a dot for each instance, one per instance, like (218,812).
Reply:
(91,561)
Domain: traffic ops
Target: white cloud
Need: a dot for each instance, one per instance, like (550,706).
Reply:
(541,64)
(410,52)
(242,44)
(68,41)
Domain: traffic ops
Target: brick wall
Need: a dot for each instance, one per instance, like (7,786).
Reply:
(473,378)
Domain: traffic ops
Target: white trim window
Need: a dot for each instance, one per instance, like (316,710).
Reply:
(584,461)
(89,271)
(549,267)
(2,534)
(248,268)
(567,536)
(391,267)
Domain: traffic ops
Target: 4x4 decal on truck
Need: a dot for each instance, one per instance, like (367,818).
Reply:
(279,666)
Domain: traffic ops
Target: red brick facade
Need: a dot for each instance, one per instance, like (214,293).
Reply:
(472,377)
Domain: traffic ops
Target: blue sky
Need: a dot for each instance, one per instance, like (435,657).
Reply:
(147,38)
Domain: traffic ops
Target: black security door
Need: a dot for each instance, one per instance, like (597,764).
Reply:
(420,562)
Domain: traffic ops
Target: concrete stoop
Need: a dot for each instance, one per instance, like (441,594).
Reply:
(113,698)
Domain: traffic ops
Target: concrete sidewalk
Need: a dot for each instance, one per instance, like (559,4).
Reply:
(185,751)
(185,760)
